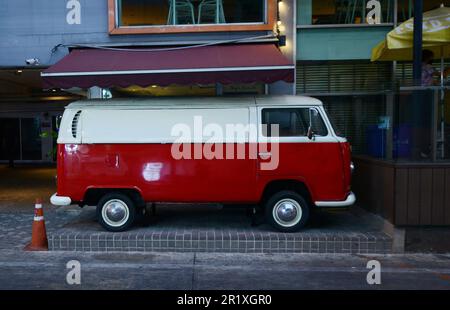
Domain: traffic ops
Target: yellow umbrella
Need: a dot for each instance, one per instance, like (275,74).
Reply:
(399,42)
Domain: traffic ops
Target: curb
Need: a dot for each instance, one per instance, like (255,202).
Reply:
(397,234)
(223,242)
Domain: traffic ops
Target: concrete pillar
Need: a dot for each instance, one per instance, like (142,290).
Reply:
(219,89)
(47,141)
(287,13)
(390,130)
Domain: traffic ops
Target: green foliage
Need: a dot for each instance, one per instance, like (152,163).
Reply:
(54,135)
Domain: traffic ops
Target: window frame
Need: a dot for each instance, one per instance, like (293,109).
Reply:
(115,29)
(334,25)
(329,137)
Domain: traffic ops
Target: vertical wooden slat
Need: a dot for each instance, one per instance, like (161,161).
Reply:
(374,186)
(437,211)
(365,185)
(388,194)
(359,186)
(405,195)
(401,196)
(447,196)
(426,195)
(414,191)
(377,187)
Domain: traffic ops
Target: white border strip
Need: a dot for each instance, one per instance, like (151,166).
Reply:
(60,200)
(345,203)
(167,71)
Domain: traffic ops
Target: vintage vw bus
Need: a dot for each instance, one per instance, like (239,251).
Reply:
(277,152)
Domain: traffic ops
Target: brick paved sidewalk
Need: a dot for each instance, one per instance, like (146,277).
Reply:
(179,229)
(15,227)
(20,186)
(199,229)
(213,229)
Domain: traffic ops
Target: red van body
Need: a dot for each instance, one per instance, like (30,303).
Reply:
(123,150)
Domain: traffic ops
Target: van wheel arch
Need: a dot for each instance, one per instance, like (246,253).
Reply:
(92,196)
(296,186)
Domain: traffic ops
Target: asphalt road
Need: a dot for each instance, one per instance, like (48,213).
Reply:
(188,271)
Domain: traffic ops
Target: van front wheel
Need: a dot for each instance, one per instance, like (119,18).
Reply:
(287,211)
(116,212)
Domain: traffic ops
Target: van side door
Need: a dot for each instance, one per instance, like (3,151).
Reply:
(287,153)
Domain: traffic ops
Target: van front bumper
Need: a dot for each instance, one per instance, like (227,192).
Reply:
(351,198)
(60,200)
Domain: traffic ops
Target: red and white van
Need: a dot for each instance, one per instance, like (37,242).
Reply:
(279,152)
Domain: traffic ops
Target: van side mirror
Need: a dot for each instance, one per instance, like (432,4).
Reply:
(310,133)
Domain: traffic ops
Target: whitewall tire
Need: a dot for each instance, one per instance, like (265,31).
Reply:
(116,212)
(287,211)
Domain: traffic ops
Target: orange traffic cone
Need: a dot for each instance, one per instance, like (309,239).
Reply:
(39,235)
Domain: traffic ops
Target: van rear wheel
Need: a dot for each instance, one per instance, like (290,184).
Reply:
(287,211)
(116,212)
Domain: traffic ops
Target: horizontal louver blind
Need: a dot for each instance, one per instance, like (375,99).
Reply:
(404,72)
(339,76)
(352,116)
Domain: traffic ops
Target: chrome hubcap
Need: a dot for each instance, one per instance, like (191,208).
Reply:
(115,212)
(287,212)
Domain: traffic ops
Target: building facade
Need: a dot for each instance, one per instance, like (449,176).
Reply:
(55,52)
(399,133)
(34,36)
(328,42)
(333,61)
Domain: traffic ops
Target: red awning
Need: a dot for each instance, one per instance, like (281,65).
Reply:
(245,63)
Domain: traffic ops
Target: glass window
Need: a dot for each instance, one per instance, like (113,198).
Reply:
(20,139)
(421,125)
(189,12)
(294,122)
(56,121)
(9,138)
(31,140)
(351,11)
(359,118)
(317,125)
(405,8)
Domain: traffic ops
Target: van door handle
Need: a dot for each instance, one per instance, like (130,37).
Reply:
(112,160)
(265,154)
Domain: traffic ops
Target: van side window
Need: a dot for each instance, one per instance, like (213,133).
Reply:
(293,122)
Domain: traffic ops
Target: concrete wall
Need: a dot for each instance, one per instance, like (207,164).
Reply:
(287,28)
(338,43)
(329,42)
(31,28)
(43,111)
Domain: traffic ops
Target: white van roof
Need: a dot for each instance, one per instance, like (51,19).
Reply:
(193,102)
(153,120)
